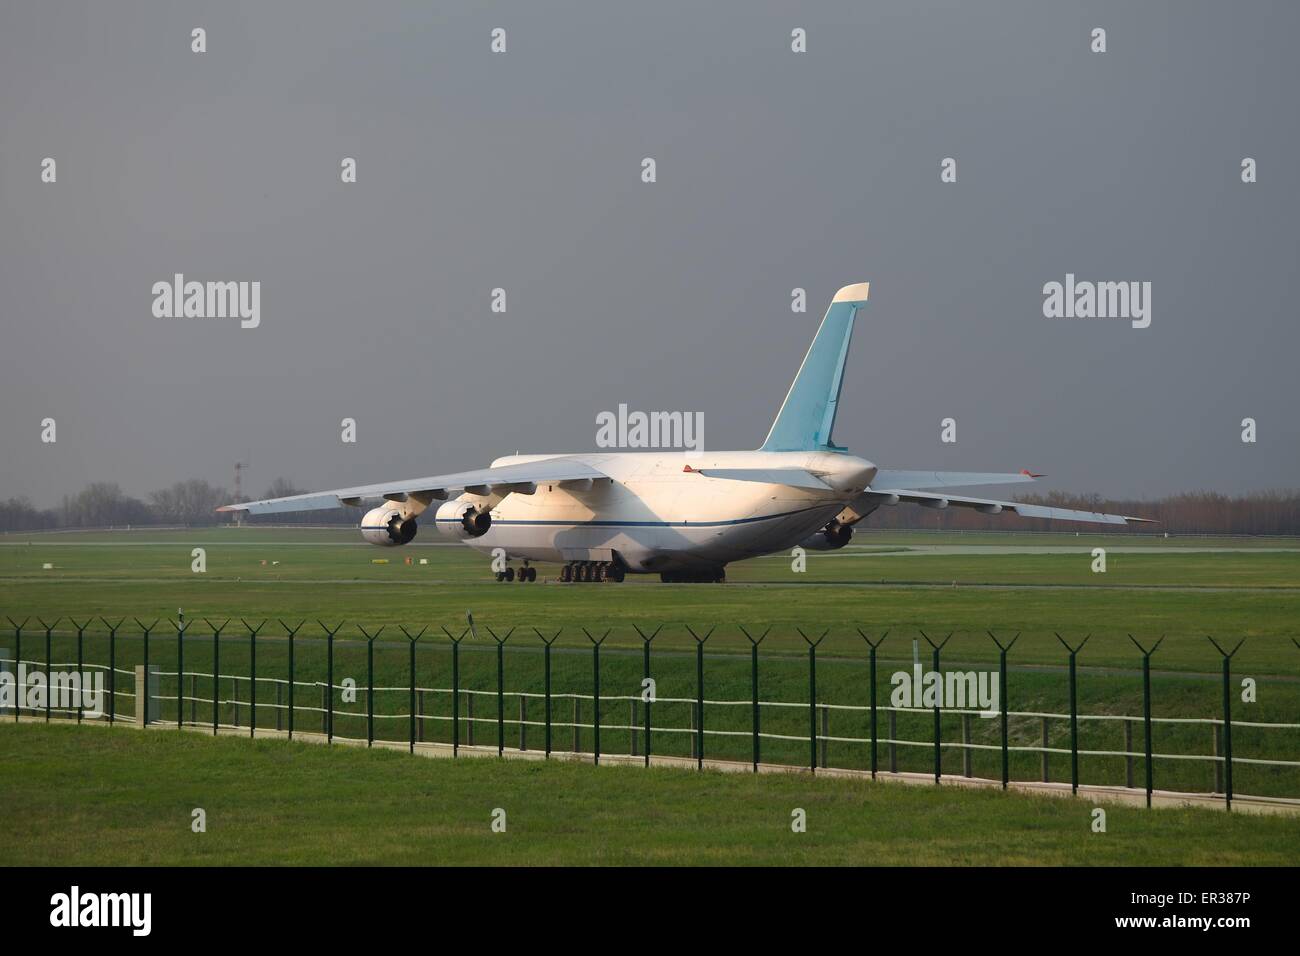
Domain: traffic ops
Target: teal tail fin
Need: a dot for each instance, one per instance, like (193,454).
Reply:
(807,415)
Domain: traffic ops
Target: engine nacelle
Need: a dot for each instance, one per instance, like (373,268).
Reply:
(462,520)
(830,538)
(385,527)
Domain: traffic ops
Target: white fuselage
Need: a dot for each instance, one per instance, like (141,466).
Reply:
(656,513)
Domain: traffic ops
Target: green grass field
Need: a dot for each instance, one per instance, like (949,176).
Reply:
(90,796)
(1182,588)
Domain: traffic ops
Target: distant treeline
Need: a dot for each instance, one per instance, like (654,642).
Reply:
(194,503)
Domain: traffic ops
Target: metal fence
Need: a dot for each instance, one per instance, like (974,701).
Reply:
(301,699)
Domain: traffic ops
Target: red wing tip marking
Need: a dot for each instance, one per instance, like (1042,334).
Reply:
(1026,471)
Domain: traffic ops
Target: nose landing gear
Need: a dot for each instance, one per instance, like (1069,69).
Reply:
(524,575)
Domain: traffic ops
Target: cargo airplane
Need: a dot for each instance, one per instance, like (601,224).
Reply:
(682,515)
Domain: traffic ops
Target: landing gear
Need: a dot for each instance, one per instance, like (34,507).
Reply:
(694,576)
(524,575)
(585,571)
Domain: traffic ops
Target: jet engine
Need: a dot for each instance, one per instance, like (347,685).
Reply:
(830,538)
(462,519)
(385,527)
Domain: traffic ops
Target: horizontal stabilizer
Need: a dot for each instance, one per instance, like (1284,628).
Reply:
(793,477)
(946,479)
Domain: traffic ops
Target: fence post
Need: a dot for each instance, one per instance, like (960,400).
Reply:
(420,723)
(546,665)
(21,692)
(1128,753)
(252,675)
(1074,714)
(370,683)
(501,688)
(1002,702)
(812,696)
(595,683)
(826,732)
(1045,755)
(324,710)
(329,679)
(753,689)
(411,706)
(455,689)
(871,657)
(181,625)
(291,632)
(1227,719)
(216,670)
(632,726)
(646,682)
(146,629)
(1146,706)
(81,667)
(938,726)
(49,663)
(699,694)
(146,694)
(965,750)
(695,722)
(1216,748)
(893,736)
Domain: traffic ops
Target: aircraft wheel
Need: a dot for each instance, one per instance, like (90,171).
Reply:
(532,574)
(510,574)
(566,573)
(501,575)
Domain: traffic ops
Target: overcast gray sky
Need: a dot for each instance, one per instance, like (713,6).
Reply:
(522,170)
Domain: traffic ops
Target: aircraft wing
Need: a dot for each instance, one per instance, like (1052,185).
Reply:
(988,506)
(435,487)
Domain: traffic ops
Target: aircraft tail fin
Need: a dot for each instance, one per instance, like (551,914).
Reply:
(807,415)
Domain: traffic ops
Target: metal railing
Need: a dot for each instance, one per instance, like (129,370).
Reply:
(452,707)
